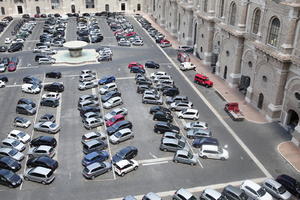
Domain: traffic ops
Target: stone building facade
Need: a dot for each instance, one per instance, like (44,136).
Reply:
(254,45)
(19,7)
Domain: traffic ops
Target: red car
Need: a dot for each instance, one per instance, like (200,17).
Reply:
(135,64)
(130,34)
(165,43)
(203,80)
(11,67)
(115,119)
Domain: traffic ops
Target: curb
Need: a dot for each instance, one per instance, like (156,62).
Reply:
(278,146)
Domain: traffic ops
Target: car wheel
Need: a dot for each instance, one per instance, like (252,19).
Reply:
(206,86)
(204,157)
(195,118)
(135,168)
(175,161)
(180,117)
(222,158)
(132,136)
(122,174)
(93,177)
(43,182)
(193,164)
(144,102)
(164,150)
(25,178)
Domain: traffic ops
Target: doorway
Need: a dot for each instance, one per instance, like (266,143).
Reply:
(123,6)
(260,101)
(106,7)
(138,7)
(244,84)
(225,72)
(195,33)
(20,9)
(73,10)
(292,120)
(2,11)
(38,11)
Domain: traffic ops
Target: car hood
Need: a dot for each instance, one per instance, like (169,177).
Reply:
(113,138)
(18,156)
(108,116)
(116,158)
(16,179)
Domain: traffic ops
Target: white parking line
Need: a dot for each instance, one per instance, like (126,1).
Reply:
(155,163)
(155,160)
(20,85)
(199,188)
(32,132)
(58,115)
(229,129)
(125,78)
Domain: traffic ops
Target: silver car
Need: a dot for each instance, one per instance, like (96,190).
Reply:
(108,87)
(151,196)
(114,112)
(39,174)
(152,99)
(276,189)
(196,125)
(198,133)
(183,194)
(87,85)
(186,157)
(93,135)
(172,145)
(86,77)
(13,153)
(173,135)
(121,135)
(13,143)
(48,127)
(113,102)
(95,169)
(88,103)
(181,105)
(42,150)
(92,122)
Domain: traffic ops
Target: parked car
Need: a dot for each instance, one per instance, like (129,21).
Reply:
(173,145)
(162,127)
(181,105)
(9,163)
(234,193)
(110,95)
(162,116)
(19,135)
(157,74)
(47,117)
(290,183)
(152,64)
(86,77)
(106,80)
(195,125)
(185,156)
(86,109)
(114,112)
(32,80)
(93,135)
(25,109)
(88,97)
(92,122)
(126,153)
(93,145)
(152,99)
(95,169)
(255,191)
(46,60)
(211,194)
(50,102)
(188,114)
(12,153)
(184,66)
(151,196)
(118,126)
(47,127)
(113,102)
(125,166)
(121,135)
(9,178)
(54,87)
(108,87)
(39,174)
(183,194)
(171,92)
(137,70)
(276,189)
(87,85)
(53,74)
(42,150)
(213,152)
(95,156)
(198,142)
(21,122)
(42,161)
(13,143)
(198,133)
(31,88)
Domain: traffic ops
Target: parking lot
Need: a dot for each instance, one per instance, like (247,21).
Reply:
(157,172)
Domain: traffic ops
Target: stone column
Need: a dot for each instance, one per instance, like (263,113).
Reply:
(211,7)
(174,18)
(163,14)
(189,35)
(236,73)
(243,15)
(208,53)
(287,46)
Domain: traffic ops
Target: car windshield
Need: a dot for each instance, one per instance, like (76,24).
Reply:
(15,143)
(9,175)
(113,112)
(190,155)
(181,144)
(52,125)
(261,192)
(21,134)
(118,134)
(50,174)
(13,152)
(281,190)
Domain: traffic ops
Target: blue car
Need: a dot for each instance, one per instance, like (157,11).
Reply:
(95,156)
(107,79)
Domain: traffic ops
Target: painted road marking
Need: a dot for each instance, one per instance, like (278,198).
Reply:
(229,129)
(155,163)
(141,162)
(200,188)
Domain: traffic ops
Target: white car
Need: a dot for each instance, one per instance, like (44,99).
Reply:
(113,102)
(39,49)
(187,66)
(121,135)
(124,166)
(31,88)
(114,112)
(161,78)
(255,191)
(2,84)
(13,143)
(2,67)
(195,125)
(86,77)
(276,189)
(54,95)
(48,51)
(107,88)
(19,135)
(157,74)
(7,41)
(46,61)
(188,114)
(87,85)
(213,152)
(19,40)
(87,71)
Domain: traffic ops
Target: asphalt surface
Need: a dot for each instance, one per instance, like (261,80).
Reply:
(156,172)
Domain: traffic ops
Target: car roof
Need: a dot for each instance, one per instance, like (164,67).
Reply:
(41,170)
(44,147)
(182,152)
(184,193)
(211,147)
(170,141)
(93,166)
(8,140)
(213,193)
(90,134)
(153,196)
(122,163)
(273,183)
(124,130)
(191,110)
(48,123)
(252,184)
(16,132)
(91,119)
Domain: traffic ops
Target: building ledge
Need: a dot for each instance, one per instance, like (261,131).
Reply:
(231,30)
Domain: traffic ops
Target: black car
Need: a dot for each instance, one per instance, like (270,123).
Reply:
(32,80)
(137,70)
(155,109)
(50,102)
(9,178)
(3,48)
(198,142)
(152,64)
(162,127)
(3,78)
(42,161)
(15,47)
(9,163)
(38,56)
(171,92)
(84,38)
(290,184)
(110,95)
(25,109)
(162,116)
(141,88)
(143,81)
(47,117)
(86,109)
(54,87)
(53,74)
(27,102)
(43,140)
(118,126)
(128,152)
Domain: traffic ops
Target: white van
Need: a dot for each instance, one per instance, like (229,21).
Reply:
(213,151)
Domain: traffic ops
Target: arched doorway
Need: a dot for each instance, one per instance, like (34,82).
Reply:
(106,7)
(138,7)
(73,10)
(260,101)
(244,84)
(20,9)
(38,11)
(225,72)
(292,120)
(2,11)
(123,6)
(195,33)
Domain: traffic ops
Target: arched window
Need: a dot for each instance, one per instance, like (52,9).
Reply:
(274,31)
(138,7)
(106,7)
(2,11)
(256,20)
(205,6)
(221,8)
(232,14)
(38,10)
